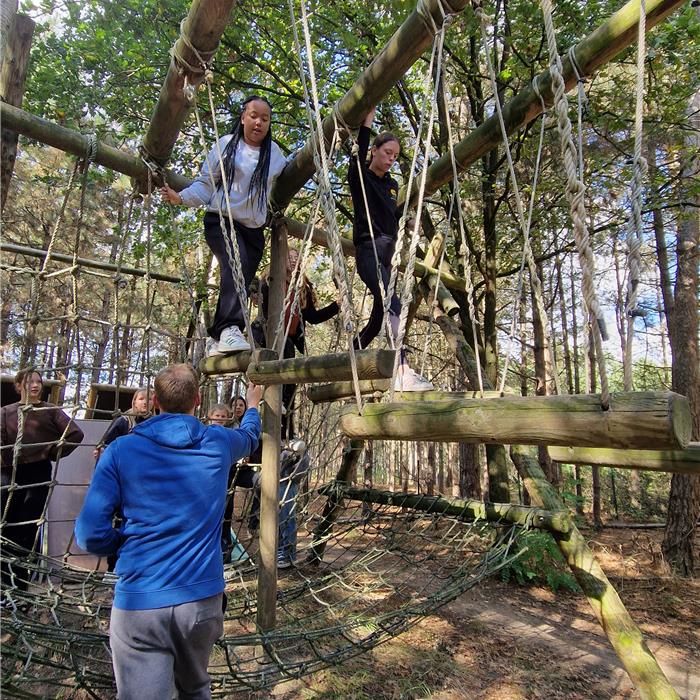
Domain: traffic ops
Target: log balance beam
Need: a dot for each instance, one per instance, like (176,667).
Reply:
(554,521)
(642,420)
(685,461)
(346,390)
(235,363)
(371,364)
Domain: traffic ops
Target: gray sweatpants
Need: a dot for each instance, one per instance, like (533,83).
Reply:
(164,652)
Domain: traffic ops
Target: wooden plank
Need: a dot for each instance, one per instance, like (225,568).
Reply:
(685,461)
(646,420)
(266,614)
(371,364)
(13,73)
(235,363)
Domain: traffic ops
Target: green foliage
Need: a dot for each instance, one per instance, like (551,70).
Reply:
(540,563)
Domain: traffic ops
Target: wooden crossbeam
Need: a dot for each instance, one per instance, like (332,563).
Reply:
(405,47)
(646,420)
(235,363)
(598,48)
(371,364)
(685,461)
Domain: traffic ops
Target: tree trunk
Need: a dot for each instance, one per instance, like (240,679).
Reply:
(684,499)
(15,57)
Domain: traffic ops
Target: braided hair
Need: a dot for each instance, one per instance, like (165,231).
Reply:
(258,182)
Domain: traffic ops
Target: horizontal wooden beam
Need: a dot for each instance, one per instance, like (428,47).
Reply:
(85,262)
(78,144)
(685,461)
(235,363)
(324,393)
(371,364)
(617,33)
(404,48)
(646,420)
(554,521)
(199,38)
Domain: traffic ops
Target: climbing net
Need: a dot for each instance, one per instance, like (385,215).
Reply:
(366,567)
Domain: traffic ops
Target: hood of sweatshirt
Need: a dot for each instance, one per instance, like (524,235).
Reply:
(174,430)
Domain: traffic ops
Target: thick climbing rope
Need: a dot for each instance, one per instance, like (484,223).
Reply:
(321,158)
(520,209)
(575,193)
(635,228)
(408,277)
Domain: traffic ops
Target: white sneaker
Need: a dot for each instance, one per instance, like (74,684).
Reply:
(212,348)
(409,380)
(232,340)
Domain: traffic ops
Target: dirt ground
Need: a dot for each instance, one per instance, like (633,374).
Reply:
(508,642)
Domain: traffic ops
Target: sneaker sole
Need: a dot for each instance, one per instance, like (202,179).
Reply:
(229,349)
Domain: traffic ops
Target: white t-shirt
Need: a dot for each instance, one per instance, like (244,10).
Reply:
(245,210)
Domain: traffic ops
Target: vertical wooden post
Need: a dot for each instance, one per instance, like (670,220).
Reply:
(271,435)
(15,56)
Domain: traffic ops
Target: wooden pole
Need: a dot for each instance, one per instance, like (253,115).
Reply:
(404,48)
(645,420)
(685,461)
(85,262)
(334,504)
(554,521)
(76,143)
(594,51)
(371,364)
(13,73)
(235,363)
(625,637)
(200,33)
(272,432)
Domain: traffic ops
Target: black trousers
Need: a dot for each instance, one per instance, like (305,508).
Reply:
(367,269)
(251,243)
(25,504)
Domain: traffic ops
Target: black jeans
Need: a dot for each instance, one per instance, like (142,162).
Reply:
(25,504)
(251,243)
(367,269)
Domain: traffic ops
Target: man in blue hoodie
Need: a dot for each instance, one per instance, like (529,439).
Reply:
(168,478)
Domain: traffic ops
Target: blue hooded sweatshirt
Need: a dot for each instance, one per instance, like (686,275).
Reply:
(168,478)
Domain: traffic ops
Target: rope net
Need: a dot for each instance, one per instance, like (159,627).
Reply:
(362,572)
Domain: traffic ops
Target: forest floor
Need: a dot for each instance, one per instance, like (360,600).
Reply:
(502,641)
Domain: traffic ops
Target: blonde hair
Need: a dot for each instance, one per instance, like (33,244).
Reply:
(219,407)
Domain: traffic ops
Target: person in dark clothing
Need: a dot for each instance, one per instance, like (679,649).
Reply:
(294,467)
(47,434)
(375,230)
(300,311)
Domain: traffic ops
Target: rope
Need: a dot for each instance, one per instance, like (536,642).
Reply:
(522,219)
(635,229)
(575,193)
(322,169)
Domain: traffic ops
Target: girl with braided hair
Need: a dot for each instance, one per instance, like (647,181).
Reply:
(251,160)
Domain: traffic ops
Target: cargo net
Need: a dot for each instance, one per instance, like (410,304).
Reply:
(362,572)
(357,572)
